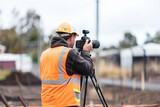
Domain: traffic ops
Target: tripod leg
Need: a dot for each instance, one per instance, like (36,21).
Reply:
(99,91)
(84,81)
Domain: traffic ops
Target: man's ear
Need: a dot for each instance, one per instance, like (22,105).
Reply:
(71,37)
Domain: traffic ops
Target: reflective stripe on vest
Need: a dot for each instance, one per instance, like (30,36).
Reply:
(61,74)
(77,95)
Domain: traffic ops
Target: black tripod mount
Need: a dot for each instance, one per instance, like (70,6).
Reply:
(84,82)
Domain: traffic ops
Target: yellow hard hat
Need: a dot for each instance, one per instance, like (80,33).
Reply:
(66,28)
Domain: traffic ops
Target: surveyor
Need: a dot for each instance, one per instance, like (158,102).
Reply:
(61,67)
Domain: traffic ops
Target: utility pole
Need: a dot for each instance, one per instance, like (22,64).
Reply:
(97,36)
(143,72)
(40,40)
(97,19)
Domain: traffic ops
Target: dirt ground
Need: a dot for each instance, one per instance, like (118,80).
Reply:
(13,87)
(122,95)
(113,95)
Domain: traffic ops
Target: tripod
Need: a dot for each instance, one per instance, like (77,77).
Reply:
(84,82)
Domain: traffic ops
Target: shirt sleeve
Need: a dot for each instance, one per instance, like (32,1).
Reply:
(79,64)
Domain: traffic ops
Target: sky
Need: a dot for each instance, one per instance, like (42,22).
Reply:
(115,17)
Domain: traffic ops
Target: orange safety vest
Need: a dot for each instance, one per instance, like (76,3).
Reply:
(58,88)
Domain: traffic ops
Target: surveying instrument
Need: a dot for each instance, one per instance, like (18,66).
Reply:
(84,79)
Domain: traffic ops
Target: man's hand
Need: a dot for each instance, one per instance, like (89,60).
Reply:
(88,46)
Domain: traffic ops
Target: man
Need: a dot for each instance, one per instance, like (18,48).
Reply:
(61,67)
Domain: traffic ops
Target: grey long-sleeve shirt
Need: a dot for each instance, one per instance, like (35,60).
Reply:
(75,63)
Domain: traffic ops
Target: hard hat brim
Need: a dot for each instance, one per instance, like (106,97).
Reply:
(75,33)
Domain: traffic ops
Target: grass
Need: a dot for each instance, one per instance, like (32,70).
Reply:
(4,74)
(112,71)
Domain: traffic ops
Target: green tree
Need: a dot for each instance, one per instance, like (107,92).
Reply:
(25,35)
(148,39)
(128,41)
(156,38)
(8,38)
(29,29)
